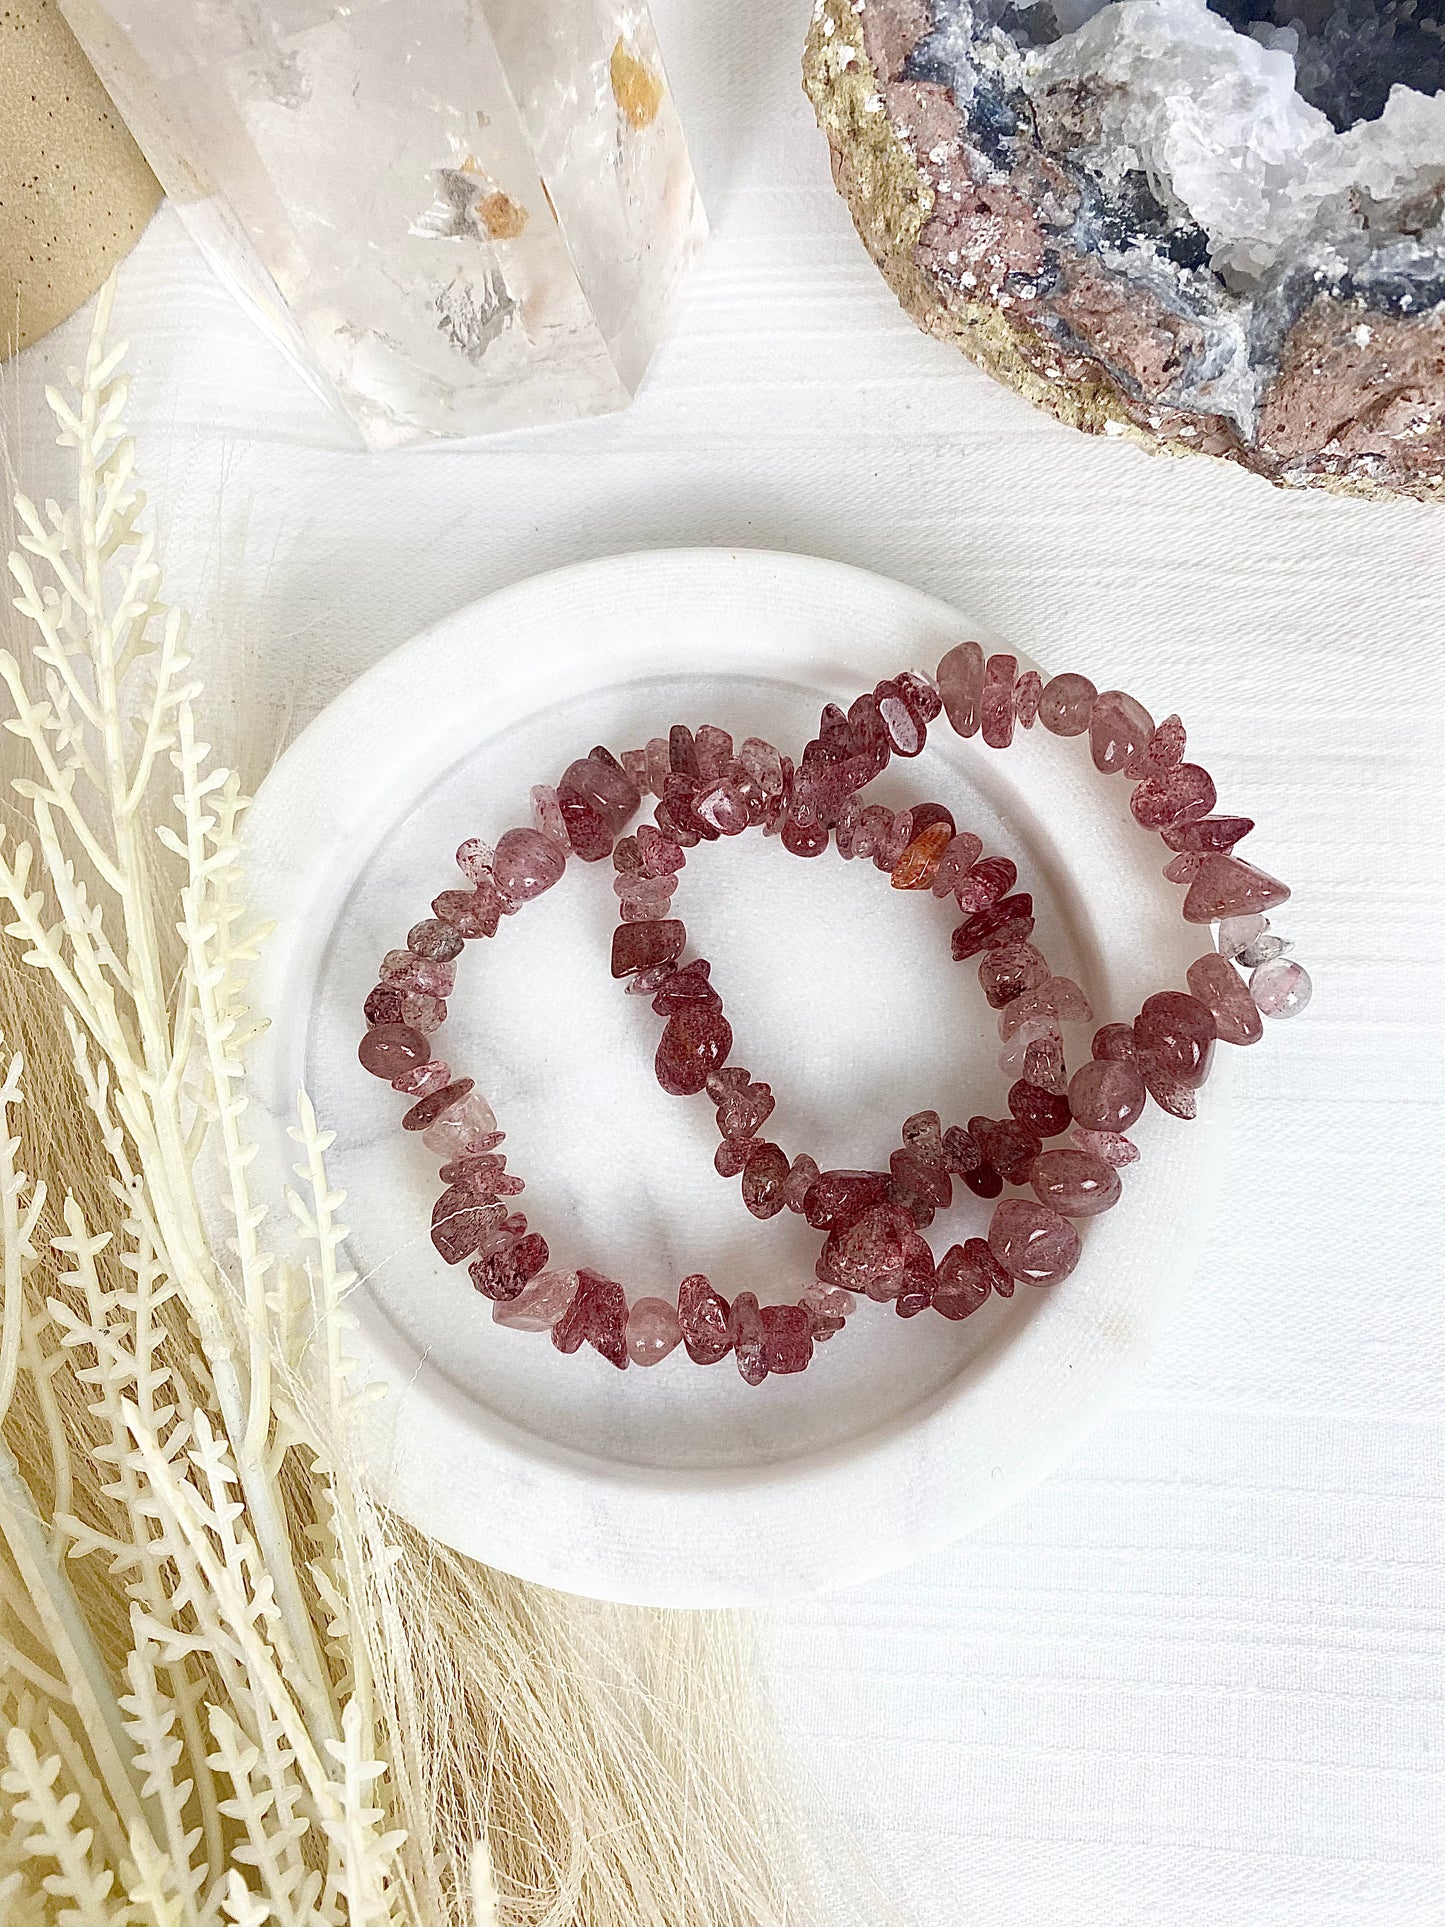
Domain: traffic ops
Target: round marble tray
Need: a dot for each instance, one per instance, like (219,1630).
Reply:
(681,1486)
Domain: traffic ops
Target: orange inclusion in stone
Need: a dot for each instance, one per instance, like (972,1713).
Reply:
(914,869)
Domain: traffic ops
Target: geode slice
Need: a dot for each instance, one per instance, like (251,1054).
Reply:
(1207,227)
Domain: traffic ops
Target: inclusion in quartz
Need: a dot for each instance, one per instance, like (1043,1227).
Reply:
(457,218)
(1207,224)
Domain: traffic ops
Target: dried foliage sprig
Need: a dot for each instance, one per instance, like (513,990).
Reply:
(232,1688)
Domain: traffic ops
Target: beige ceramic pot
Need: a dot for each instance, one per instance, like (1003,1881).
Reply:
(75,191)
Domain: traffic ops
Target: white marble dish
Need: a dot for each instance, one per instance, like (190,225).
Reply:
(683,1486)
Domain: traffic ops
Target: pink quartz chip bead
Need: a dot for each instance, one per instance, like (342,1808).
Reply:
(1107,1096)
(1010,920)
(1056,997)
(703,1316)
(723,805)
(1119,728)
(763,764)
(1174,796)
(960,683)
(461,1128)
(471,913)
(423,1013)
(539,1304)
(474,859)
(1225,886)
(389,1049)
(907,732)
(433,977)
(787,1338)
(420,1080)
(920,692)
(828,1307)
(960,1284)
(1010,970)
(659,764)
(1027,693)
(426,1111)
(695,1042)
(1074,1184)
(749,1341)
(1220,988)
(526,863)
(957,860)
(433,939)
(731,1156)
(996,703)
(649,898)
(1163,751)
(597,1316)
(714,748)
(1114,1041)
(383,1005)
(742,1105)
(1033,1243)
(642,946)
(547,812)
(1280,988)
(1206,835)
(985,883)
(802,1176)
(1014,1056)
(1044,1065)
(1066,705)
(1108,1145)
(653,1330)
(764,1175)
(1174,1041)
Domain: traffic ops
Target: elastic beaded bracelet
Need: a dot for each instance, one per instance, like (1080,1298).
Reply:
(872,1220)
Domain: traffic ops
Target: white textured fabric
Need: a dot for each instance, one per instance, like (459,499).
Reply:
(1196,1678)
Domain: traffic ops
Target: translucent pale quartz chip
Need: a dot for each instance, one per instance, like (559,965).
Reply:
(1236,934)
(458,1129)
(1263,950)
(1013,1058)
(539,1304)
(547,814)
(653,1330)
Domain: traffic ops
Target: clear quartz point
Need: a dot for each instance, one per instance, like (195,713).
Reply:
(456,218)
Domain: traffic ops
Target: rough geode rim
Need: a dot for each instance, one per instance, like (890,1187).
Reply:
(891,198)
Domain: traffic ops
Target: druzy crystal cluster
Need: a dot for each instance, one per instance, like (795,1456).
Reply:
(1215,226)
(461,216)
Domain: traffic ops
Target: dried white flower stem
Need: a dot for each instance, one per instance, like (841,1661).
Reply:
(232,1688)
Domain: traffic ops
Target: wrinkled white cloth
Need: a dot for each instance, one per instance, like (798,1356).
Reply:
(1196,1677)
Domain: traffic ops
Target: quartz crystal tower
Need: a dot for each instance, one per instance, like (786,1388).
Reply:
(458,216)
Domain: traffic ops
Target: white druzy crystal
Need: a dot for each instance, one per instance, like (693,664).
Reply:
(1212,117)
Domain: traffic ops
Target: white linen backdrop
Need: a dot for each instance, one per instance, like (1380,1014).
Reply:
(1196,1677)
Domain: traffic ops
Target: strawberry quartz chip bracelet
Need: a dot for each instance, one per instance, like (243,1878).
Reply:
(1064,1141)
